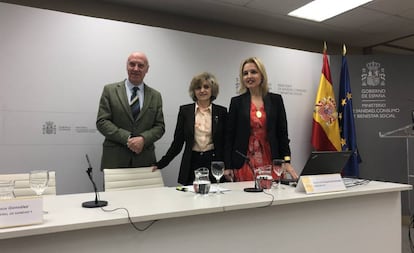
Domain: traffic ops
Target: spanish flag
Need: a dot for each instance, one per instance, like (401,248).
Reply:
(325,126)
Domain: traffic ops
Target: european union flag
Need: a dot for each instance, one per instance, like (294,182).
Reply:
(346,122)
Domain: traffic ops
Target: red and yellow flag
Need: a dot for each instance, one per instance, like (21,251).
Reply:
(325,126)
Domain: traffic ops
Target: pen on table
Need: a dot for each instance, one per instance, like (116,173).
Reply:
(180,188)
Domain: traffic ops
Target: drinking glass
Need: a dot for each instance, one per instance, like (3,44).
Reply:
(279,168)
(39,180)
(264,177)
(217,169)
(6,189)
(201,182)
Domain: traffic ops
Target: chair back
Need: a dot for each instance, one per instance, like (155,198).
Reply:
(131,178)
(22,186)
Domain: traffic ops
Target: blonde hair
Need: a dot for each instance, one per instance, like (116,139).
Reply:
(264,84)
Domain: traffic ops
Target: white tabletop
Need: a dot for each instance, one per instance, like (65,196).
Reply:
(65,212)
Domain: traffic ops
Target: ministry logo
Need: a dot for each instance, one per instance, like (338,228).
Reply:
(49,127)
(237,85)
(373,75)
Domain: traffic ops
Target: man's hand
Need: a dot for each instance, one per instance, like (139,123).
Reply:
(136,144)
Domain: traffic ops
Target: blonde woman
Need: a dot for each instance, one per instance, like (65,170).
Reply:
(257,126)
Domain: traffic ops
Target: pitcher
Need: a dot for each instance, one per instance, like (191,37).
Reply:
(201,182)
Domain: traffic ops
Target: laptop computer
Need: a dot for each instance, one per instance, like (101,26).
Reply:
(323,162)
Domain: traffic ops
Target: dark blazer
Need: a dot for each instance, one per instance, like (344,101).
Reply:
(116,123)
(184,133)
(238,128)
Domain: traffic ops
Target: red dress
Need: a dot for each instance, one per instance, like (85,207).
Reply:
(259,148)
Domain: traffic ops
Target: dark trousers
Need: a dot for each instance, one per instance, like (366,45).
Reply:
(199,160)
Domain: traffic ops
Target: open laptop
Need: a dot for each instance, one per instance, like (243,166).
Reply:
(323,162)
(326,162)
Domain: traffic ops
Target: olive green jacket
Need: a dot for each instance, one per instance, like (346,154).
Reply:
(115,122)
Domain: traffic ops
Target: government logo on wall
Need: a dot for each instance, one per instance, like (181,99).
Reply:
(374,94)
(49,127)
(373,75)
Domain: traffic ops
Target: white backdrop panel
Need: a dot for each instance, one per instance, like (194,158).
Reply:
(54,65)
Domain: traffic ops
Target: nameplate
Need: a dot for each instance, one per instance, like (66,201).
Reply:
(320,183)
(21,212)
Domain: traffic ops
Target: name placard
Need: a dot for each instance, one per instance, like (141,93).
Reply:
(21,212)
(320,183)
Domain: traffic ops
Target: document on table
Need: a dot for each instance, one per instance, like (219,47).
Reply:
(213,188)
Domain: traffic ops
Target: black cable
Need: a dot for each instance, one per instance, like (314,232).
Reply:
(129,219)
(271,202)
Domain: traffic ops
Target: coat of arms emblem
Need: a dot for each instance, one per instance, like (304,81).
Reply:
(373,74)
(49,127)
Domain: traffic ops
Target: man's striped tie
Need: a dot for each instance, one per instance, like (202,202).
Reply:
(135,107)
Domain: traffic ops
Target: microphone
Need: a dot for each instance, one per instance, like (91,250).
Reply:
(247,160)
(96,202)
(412,117)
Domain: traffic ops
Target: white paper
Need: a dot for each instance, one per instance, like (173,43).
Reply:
(213,188)
(21,211)
(320,183)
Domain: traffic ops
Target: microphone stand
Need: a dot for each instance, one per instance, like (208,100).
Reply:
(96,202)
(256,187)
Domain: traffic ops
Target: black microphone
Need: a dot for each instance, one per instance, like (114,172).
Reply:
(247,160)
(412,117)
(96,202)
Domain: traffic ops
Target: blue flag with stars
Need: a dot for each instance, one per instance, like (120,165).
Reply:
(346,122)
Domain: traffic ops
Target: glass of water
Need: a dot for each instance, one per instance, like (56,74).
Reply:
(217,169)
(39,180)
(6,189)
(279,168)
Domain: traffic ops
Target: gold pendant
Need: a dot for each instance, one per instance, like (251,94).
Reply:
(258,114)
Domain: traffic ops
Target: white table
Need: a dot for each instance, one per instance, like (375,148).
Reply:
(361,219)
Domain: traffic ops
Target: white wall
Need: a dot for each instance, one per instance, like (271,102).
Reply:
(53,67)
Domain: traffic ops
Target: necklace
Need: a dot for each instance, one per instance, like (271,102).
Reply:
(257,100)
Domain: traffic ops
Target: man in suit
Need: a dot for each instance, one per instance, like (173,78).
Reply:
(130,117)
(201,126)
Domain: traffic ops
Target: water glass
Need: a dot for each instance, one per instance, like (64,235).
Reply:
(201,182)
(6,189)
(217,169)
(264,177)
(39,180)
(279,169)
